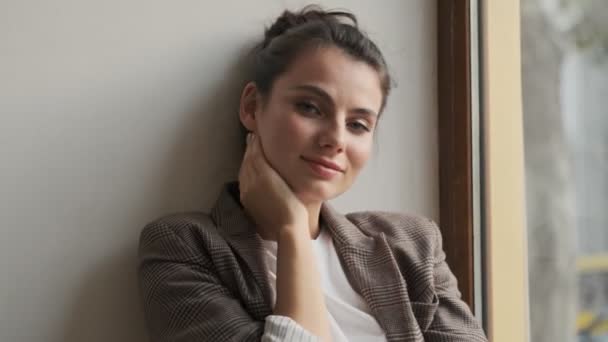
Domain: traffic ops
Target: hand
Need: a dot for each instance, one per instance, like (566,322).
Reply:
(267,198)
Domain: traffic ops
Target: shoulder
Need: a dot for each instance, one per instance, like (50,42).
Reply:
(184,226)
(398,227)
(393,224)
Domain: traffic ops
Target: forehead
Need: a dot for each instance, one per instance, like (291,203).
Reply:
(336,72)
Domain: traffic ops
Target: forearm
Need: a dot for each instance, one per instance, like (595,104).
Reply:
(299,293)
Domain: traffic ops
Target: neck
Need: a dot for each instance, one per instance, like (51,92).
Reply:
(314,214)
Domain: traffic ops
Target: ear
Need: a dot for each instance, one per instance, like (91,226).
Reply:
(250,106)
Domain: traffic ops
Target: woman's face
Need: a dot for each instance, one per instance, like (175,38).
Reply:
(323,108)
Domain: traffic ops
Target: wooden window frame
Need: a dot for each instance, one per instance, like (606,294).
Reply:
(455,144)
(499,174)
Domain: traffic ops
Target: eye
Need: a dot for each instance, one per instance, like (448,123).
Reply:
(358,126)
(307,108)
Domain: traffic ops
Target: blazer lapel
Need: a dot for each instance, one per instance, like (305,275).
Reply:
(240,233)
(371,269)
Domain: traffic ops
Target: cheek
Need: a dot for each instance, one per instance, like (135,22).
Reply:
(359,154)
(286,136)
(294,132)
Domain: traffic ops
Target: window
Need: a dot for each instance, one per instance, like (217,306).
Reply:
(565,111)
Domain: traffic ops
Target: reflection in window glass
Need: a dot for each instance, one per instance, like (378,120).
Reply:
(565,94)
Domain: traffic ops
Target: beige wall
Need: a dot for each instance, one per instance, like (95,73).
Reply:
(115,112)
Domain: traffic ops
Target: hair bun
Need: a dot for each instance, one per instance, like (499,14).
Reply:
(289,20)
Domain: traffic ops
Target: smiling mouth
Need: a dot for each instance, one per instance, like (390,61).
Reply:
(322,171)
(325,163)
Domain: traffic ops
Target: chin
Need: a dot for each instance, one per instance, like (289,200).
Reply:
(317,191)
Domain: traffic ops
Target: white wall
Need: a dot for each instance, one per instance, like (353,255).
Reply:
(115,112)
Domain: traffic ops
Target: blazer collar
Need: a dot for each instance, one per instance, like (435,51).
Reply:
(228,213)
(367,260)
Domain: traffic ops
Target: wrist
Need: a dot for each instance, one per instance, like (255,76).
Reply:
(293,233)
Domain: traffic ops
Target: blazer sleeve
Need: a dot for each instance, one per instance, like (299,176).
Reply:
(185,301)
(453,320)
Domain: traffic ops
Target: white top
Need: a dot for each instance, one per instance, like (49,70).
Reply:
(349,316)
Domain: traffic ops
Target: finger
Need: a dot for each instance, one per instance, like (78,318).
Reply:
(258,152)
(248,143)
(246,180)
(245,172)
(250,151)
(255,154)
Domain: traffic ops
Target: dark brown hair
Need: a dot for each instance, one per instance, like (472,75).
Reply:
(294,32)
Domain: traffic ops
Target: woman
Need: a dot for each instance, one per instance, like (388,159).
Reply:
(273,261)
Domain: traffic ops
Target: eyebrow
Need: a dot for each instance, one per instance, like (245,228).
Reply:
(325,96)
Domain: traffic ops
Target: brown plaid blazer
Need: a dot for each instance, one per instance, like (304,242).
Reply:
(202,277)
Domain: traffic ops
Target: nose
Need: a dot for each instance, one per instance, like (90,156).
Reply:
(333,137)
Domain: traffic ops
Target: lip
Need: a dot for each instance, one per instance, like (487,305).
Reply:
(325,163)
(323,169)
